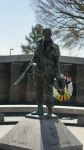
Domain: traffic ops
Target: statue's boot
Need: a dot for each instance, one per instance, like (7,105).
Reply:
(49,111)
(39,111)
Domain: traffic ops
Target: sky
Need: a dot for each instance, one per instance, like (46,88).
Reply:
(16,19)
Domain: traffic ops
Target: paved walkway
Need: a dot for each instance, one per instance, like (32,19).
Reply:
(77,131)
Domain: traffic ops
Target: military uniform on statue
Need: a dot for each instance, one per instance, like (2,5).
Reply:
(47,68)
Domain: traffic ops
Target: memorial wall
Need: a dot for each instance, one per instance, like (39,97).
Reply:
(11,67)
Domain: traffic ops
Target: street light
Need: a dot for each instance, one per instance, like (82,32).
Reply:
(11,49)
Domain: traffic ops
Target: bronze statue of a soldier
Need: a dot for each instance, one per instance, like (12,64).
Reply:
(47,68)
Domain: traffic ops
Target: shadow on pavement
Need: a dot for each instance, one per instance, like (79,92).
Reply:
(9,123)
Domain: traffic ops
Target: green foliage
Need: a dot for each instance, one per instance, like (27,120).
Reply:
(32,39)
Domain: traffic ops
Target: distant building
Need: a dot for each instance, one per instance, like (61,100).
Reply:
(11,67)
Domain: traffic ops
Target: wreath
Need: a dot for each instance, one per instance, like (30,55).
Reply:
(66,94)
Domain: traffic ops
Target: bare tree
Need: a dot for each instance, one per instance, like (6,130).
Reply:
(65,17)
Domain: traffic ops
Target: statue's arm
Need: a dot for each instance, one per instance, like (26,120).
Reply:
(57,68)
(57,62)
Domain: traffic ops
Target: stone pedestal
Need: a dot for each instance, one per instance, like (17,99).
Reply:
(40,134)
(1,117)
(80,120)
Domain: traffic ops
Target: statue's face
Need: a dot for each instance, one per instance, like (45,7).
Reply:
(39,29)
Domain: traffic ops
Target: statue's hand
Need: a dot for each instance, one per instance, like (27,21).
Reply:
(33,68)
(61,83)
(14,84)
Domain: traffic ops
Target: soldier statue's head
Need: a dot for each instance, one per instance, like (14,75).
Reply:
(47,33)
(39,28)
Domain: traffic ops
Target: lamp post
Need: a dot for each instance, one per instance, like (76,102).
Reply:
(11,49)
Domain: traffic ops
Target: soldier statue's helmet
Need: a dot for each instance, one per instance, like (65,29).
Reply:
(47,31)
